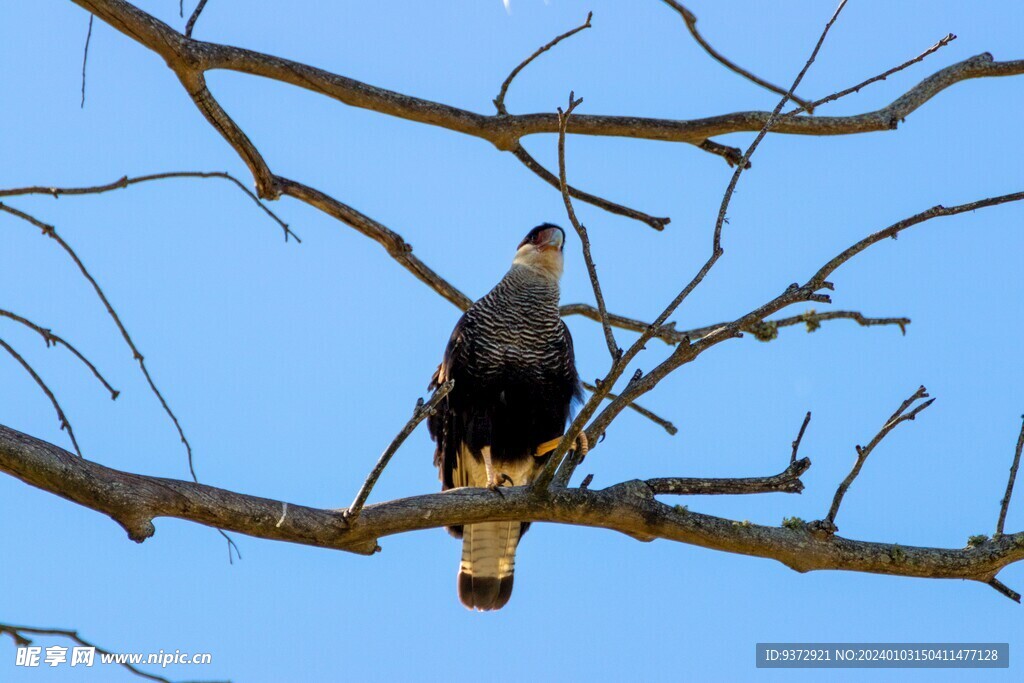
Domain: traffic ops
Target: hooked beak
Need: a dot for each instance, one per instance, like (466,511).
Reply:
(552,238)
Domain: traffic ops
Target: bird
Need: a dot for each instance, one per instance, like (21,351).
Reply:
(515,381)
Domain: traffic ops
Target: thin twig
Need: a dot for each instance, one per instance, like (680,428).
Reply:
(420,413)
(64,423)
(499,101)
(126,181)
(611,207)
(1004,589)
(800,437)
(51,232)
(690,19)
(880,77)
(85,57)
(192,19)
(787,481)
(609,336)
(660,421)
(52,339)
(18,634)
(668,333)
(1005,503)
(684,352)
(901,415)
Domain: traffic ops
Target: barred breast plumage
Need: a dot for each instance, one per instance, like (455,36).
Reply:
(512,360)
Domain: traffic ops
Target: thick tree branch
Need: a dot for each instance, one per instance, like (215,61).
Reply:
(134,501)
(184,54)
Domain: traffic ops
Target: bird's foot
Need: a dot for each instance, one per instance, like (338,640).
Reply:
(498,481)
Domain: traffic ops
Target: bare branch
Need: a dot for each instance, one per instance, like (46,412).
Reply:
(186,55)
(732,155)
(20,636)
(51,232)
(1004,505)
(134,501)
(609,337)
(901,415)
(52,339)
(660,421)
(668,334)
(85,57)
(800,437)
(685,352)
(787,481)
(690,19)
(795,293)
(125,181)
(192,19)
(880,77)
(65,424)
(1004,589)
(611,207)
(819,278)
(421,412)
(499,101)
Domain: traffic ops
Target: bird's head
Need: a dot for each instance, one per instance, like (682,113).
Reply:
(541,250)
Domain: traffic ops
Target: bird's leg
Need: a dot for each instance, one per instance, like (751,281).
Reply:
(582,445)
(494,479)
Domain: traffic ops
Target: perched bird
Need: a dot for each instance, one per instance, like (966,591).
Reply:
(512,360)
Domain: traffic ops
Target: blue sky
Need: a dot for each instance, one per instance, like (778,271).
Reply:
(292,366)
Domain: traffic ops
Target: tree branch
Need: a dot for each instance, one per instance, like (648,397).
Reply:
(51,339)
(134,501)
(421,412)
(660,421)
(1004,504)
(690,19)
(184,54)
(787,481)
(800,437)
(51,232)
(611,207)
(499,101)
(943,42)
(901,415)
(609,337)
(195,17)
(65,424)
(125,181)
